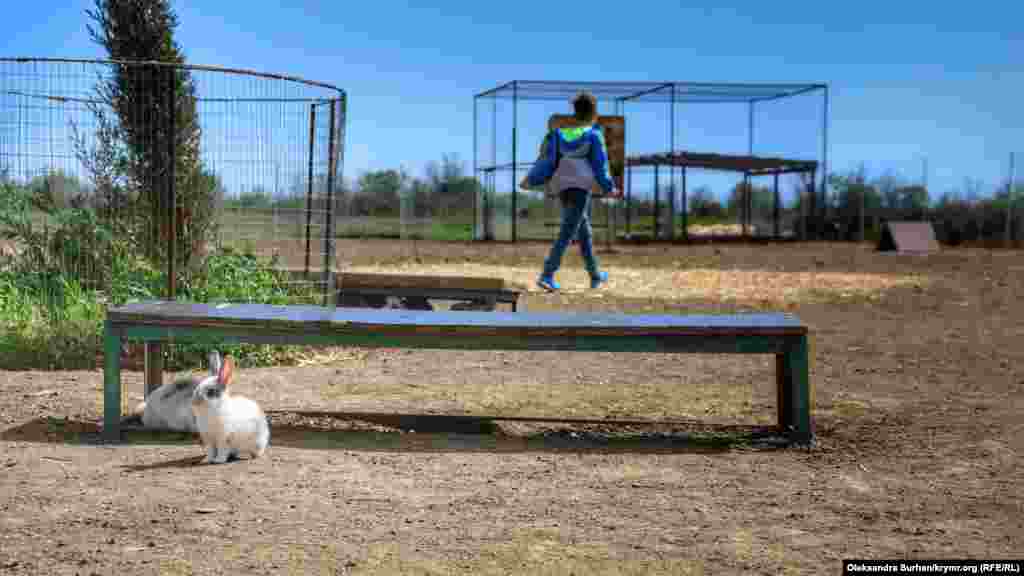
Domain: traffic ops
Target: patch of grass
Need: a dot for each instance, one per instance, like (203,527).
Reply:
(49,320)
(451,231)
(48,323)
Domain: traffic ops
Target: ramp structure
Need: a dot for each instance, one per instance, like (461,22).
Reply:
(908,238)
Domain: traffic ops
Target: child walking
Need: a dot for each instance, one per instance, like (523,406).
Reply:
(573,158)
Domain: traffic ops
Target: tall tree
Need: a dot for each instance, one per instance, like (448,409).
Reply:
(143,97)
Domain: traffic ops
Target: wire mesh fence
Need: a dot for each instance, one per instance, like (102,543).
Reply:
(134,178)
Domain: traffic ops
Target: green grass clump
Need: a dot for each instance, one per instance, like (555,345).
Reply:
(69,267)
(49,321)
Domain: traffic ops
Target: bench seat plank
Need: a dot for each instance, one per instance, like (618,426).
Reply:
(526,324)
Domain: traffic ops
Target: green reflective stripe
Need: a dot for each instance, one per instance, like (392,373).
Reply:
(574,133)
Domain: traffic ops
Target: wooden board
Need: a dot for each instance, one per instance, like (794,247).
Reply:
(908,238)
(365,280)
(522,324)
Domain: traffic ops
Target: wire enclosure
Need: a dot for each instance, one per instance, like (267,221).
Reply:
(736,142)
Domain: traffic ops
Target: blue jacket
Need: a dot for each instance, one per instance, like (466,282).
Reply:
(584,160)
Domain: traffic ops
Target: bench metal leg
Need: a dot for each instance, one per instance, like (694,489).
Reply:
(793,380)
(783,395)
(111,383)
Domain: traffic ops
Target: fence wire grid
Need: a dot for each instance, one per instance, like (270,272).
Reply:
(254,165)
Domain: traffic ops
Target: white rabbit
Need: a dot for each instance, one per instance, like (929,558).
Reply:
(169,407)
(228,425)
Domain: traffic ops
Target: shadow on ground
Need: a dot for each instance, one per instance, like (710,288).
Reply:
(425,433)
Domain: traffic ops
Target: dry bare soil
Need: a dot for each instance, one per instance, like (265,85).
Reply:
(919,393)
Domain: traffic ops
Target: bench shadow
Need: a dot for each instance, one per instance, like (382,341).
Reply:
(376,432)
(177,463)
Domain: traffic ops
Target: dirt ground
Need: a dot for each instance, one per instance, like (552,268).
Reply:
(919,403)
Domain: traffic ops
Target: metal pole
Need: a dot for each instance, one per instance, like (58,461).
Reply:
(672,170)
(515,192)
(824,150)
(309,185)
(171,196)
(657,203)
(476,176)
(749,203)
(686,216)
(750,128)
(744,201)
(775,206)
(493,188)
(629,196)
(1009,201)
(339,168)
(804,209)
(608,223)
(817,209)
(863,207)
(328,232)
(153,356)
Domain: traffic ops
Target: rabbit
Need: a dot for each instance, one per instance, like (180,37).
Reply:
(169,407)
(228,425)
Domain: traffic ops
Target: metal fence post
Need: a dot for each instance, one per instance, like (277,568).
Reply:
(329,214)
(309,185)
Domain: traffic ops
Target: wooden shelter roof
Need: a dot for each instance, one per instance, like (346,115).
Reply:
(756,165)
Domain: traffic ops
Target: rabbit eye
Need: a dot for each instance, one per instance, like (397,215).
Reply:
(211,393)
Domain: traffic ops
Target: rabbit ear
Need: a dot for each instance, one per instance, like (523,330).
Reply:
(215,364)
(226,372)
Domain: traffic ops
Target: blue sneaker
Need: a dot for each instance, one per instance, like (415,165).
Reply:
(597,280)
(548,283)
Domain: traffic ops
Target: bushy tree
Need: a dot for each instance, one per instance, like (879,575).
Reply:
(454,191)
(762,199)
(703,204)
(379,191)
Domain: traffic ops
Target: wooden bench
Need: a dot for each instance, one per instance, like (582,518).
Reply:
(780,334)
(372,290)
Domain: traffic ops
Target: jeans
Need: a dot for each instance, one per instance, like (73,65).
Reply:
(575,222)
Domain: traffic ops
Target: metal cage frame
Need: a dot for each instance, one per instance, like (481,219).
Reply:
(671,92)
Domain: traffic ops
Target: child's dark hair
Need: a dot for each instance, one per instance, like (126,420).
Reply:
(585,106)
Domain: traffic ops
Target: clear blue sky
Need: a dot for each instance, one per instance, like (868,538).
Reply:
(909,80)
